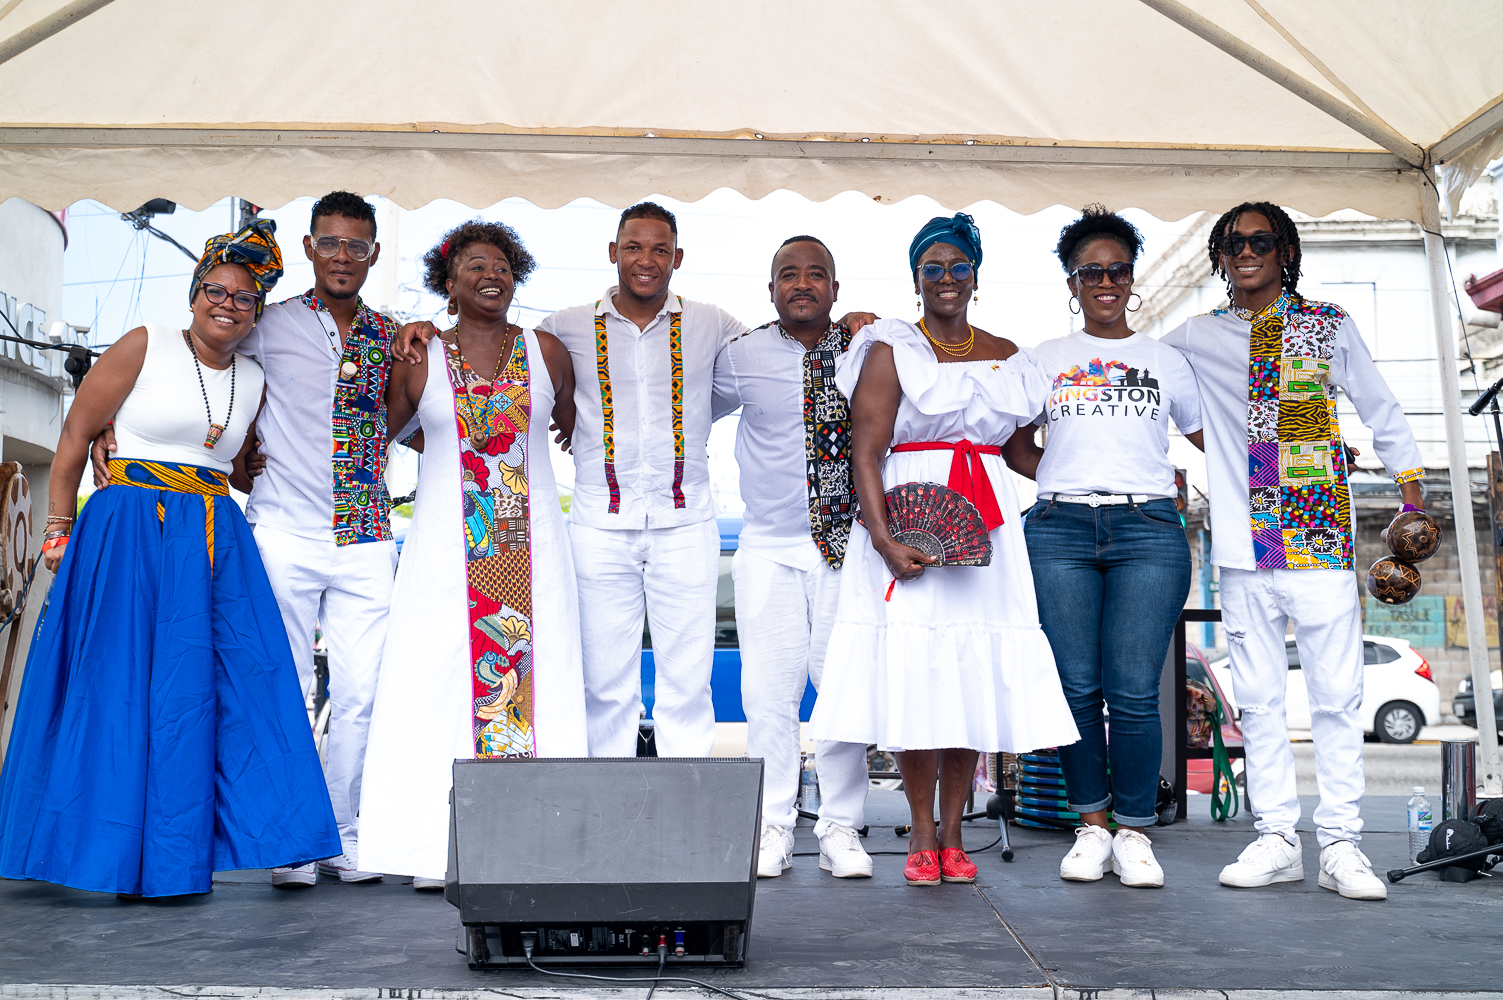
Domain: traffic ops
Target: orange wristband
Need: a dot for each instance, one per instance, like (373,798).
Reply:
(53,543)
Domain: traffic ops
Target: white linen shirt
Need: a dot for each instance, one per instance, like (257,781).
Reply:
(299,348)
(763,373)
(1216,345)
(641,377)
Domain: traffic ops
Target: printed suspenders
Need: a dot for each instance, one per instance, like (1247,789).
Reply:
(607,405)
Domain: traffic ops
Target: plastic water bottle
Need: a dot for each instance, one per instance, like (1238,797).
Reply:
(808,787)
(1419,823)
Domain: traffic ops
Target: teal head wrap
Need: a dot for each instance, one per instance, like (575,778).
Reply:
(958,231)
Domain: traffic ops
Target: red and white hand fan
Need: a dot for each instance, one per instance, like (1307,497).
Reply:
(938,522)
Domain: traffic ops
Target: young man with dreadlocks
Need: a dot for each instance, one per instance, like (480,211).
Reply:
(1269,365)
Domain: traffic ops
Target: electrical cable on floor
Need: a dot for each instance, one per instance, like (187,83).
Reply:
(899,854)
(655,980)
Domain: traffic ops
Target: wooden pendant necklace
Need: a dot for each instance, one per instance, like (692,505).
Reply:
(480,433)
(215,430)
(955,350)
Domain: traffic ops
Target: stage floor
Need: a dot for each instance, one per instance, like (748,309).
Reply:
(1019,931)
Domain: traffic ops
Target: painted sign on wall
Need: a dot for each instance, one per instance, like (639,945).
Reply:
(1422,621)
(1456,621)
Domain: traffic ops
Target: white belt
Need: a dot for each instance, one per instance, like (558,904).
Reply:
(1099,499)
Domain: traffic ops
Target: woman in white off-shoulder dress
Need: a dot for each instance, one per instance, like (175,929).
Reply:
(947,661)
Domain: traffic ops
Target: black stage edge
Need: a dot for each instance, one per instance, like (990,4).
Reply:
(1019,931)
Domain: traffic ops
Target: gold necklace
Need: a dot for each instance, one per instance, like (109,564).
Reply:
(959,351)
(480,433)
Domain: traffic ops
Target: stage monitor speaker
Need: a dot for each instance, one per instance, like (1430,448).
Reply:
(592,861)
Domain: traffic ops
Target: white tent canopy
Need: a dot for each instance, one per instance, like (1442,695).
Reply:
(1168,106)
(1023,103)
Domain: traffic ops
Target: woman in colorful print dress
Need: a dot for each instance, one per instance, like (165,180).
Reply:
(160,733)
(484,658)
(938,662)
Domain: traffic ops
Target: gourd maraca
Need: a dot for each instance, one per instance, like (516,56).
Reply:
(1413,536)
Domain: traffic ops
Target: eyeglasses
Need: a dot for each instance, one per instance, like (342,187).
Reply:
(960,271)
(1261,243)
(1091,275)
(244,301)
(328,246)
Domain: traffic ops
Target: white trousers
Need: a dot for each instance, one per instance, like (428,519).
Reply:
(347,589)
(671,575)
(1256,606)
(783,619)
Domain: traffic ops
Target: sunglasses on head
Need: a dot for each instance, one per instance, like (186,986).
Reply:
(216,294)
(1090,275)
(935,272)
(328,246)
(1261,243)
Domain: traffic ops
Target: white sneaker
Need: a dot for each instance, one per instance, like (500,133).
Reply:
(775,856)
(841,854)
(428,884)
(1268,859)
(1346,870)
(1089,858)
(1133,860)
(344,867)
(291,878)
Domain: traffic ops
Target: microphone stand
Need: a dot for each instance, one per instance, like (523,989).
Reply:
(1489,401)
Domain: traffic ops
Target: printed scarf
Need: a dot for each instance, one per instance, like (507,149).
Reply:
(827,447)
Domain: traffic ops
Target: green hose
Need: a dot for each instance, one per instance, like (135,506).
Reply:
(1227,806)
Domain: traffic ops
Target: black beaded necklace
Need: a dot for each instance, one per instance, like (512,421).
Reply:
(215,430)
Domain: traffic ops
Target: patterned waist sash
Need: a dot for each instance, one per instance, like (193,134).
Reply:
(608,409)
(497,549)
(967,475)
(207,483)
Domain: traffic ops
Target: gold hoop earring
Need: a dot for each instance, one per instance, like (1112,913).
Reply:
(1133,309)
(1074,306)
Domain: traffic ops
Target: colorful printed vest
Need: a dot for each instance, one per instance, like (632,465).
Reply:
(362,506)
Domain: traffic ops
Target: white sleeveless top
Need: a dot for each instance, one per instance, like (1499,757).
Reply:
(163,418)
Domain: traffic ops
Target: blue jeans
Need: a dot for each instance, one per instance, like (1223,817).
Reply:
(1111,582)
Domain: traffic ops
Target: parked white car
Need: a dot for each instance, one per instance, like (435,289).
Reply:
(1399,697)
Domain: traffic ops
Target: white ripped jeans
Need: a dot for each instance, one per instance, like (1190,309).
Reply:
(1256,606)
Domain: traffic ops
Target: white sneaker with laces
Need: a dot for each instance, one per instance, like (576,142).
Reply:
(1089,859)
(291,878)
(841,853)
(1133,861)
(343,866)
(428,884)
(1345,869)
(1268,859)
(775,856)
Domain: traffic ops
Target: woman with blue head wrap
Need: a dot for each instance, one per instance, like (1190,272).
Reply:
(160,732)
(953,661)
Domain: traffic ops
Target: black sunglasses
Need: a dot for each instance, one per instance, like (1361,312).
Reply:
(216,294)
(959,271)
(1261,243)
(1091,275)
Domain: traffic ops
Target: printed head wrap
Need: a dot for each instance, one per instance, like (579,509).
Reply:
(253,248)
(958,231)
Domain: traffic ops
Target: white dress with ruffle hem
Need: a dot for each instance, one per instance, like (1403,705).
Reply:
(955,658)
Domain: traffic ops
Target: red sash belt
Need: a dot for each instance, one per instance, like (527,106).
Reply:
(967,475)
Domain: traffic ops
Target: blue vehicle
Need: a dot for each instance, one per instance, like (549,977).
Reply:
(725,681)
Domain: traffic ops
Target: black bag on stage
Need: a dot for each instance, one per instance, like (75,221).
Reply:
(1451,838)
(1489,818)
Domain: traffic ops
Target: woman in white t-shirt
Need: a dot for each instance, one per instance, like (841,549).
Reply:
(1110,563)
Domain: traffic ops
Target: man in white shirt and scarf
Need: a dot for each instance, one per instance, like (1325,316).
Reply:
(792,445)
(1269,365)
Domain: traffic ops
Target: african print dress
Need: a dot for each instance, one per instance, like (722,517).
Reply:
(482,657)
(160,733)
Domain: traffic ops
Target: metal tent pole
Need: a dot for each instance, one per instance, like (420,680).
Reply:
(1461,488)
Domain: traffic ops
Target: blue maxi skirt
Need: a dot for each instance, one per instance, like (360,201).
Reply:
(160,733)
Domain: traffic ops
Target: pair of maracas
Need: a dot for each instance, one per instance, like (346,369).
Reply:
(1413,536)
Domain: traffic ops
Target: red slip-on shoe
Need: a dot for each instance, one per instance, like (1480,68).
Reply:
(922,868)
(956,866)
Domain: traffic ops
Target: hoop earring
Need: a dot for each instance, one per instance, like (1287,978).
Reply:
(1133,309)
(1074,306)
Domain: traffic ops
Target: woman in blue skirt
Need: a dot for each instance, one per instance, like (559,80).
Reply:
(160,733)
